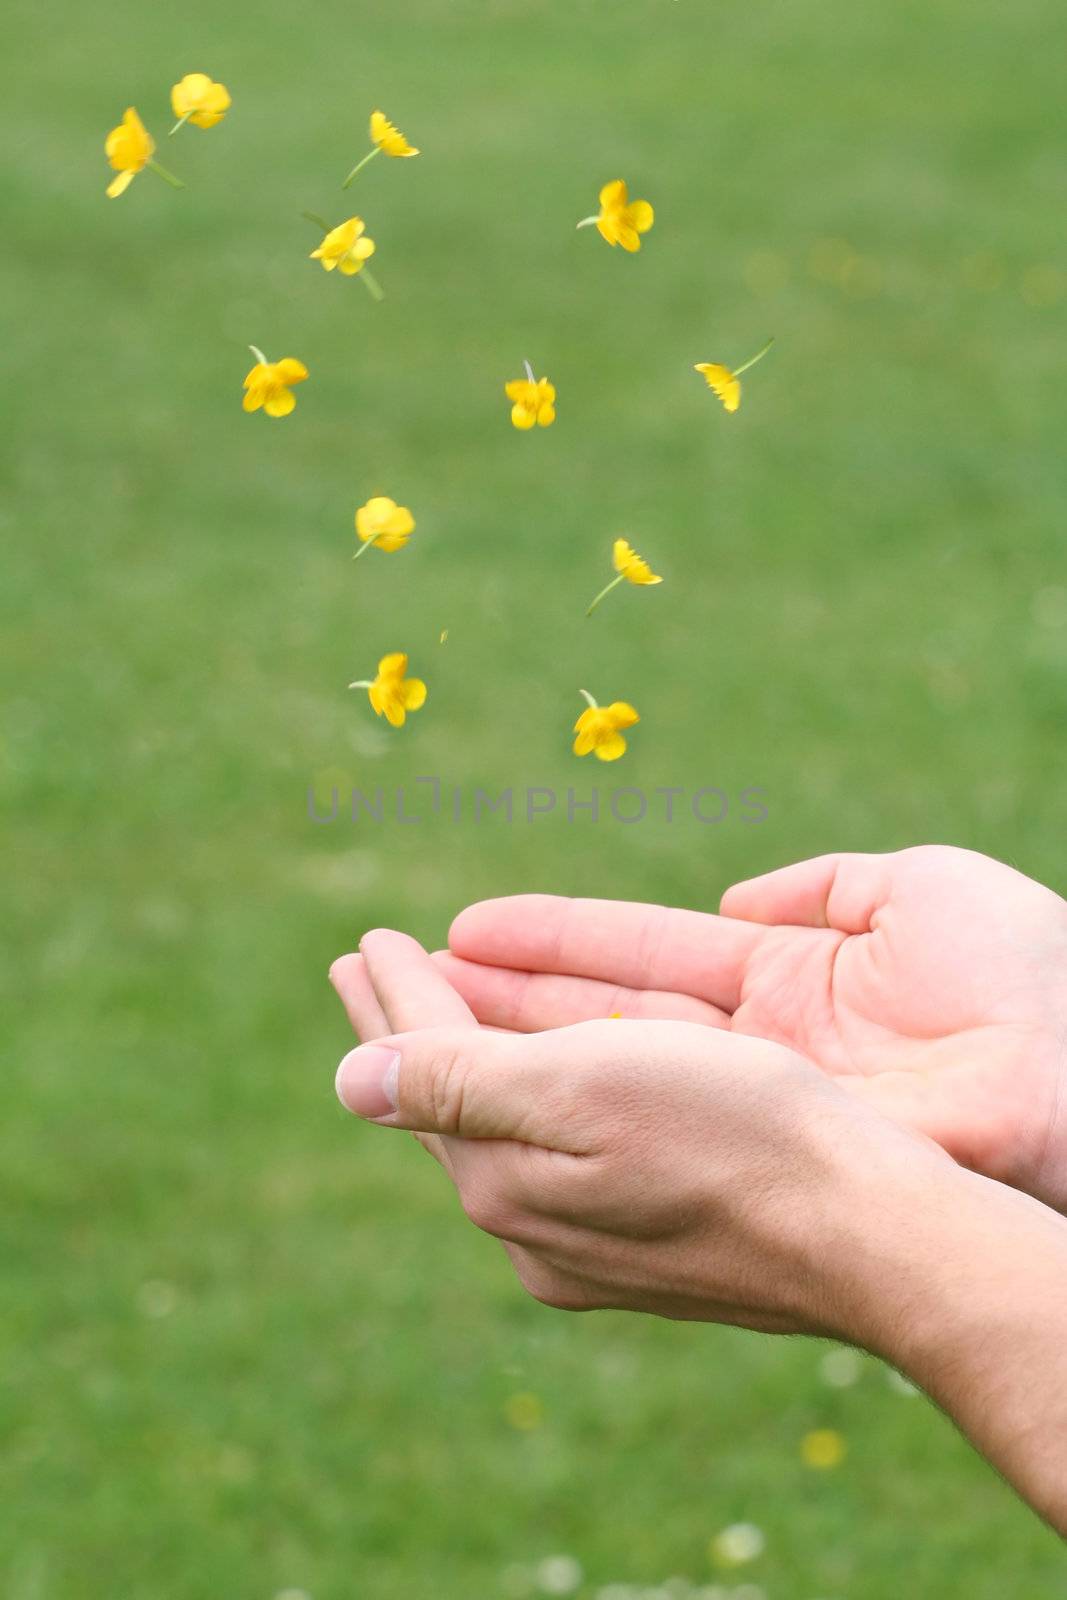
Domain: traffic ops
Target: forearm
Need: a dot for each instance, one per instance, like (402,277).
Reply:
(965,1290)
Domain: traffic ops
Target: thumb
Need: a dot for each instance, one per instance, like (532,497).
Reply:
(467,1082)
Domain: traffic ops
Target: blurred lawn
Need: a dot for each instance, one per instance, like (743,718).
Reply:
(247,1346)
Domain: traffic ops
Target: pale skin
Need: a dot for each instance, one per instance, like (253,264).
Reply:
(690,1167)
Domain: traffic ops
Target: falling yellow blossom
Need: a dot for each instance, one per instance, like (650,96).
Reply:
(534,400)
(129,149)
(269,384)
(823,1449)
(598,728)
(392,694)
(629,566)
(385,137)
(346,246)
(619,220)
(524,1412)
(198,100)
(724,381)
(382,522)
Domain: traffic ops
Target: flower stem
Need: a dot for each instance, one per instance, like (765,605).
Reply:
(587,222)
(588,698)
(168,177)
(179,124)
(311,217)
(360,683)
(363,547)
(358,168)
(371,284)
(757,357)
(606,590)
(260,357)
(529,372)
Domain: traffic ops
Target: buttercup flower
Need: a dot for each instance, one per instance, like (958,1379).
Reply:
(631,568)
(598,728)
(382,522)
(726,382)
(823,1449)
(129,149)
(199,101)
(621,221)
(534,400)
(384,137)
(345,246)
(269,384)
(389,138)
(392,694)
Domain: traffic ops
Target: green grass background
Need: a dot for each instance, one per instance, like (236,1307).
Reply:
(247,1346)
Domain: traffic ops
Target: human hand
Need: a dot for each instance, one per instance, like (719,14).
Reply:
(654,1166)
(930,983)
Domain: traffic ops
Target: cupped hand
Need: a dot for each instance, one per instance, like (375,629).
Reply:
(653,1166)
(931,983)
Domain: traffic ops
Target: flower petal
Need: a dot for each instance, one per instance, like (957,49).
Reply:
(622,714)
(279,403)
(413,691)
(611,748)
(119,184)
(289,370)
(393,665)
(640,216)
(613,195)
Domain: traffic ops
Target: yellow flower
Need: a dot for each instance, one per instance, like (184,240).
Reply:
(392,694)
(268,384)
(129,148)
(382,522)
(389,138)
(598,728)
(199,101)
(384,137)
(345,246)
(725,382)
(534,400)
(621,221)
(631,568)
(823,1449)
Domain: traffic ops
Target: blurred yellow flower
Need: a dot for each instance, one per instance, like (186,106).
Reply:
(391,693)
(598,728)
(619,220)
(388,137)
(631,568)
(534,400)
(724,381)
(382,522)
(823,1449)
(524,1412)
(384,137)
(269,384)
(198,100)
(129,149)
(345,246)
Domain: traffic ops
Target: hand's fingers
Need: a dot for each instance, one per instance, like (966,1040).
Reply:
(352,982)
(839,891)
(630,945)
(411,990)
(528,1002)
(476,1084)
